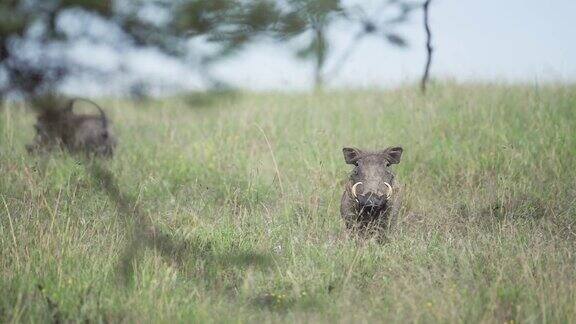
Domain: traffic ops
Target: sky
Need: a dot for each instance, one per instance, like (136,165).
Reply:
(474,40)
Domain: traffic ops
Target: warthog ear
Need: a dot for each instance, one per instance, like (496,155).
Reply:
(393,154)
(351,155)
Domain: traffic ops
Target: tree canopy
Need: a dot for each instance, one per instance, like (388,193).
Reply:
(34,34)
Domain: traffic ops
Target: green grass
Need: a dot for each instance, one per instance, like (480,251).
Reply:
(244,198)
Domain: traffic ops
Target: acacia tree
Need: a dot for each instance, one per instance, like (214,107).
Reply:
(292,20)
(429,48)
(314,18)
(34,38)
(35,34)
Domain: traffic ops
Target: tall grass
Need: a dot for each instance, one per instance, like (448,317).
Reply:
(230,213)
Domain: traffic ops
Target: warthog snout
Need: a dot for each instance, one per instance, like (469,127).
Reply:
(371,200)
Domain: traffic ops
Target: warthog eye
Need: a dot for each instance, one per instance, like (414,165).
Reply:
(355,172)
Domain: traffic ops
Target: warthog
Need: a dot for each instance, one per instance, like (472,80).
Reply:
(370,198)
(61,127)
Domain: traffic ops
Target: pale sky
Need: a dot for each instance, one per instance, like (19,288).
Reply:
(474,40)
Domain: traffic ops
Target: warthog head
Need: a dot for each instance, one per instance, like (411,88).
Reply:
(372,179)
(88,133)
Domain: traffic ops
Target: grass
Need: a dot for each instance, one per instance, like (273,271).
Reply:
(230,213)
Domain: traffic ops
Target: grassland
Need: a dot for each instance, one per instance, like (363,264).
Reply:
(229,212)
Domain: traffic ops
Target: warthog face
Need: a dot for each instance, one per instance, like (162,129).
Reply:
(75,132)
(371,177)
(370,190)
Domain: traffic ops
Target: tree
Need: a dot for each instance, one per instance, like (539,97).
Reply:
(314,18)
(241,22)
(35,34)
(33,38)
(429,48)
(226,26)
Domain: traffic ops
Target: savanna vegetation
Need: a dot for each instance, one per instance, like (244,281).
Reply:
(229,212)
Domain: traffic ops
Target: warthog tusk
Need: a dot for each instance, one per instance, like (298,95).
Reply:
(354,189)
(389,193)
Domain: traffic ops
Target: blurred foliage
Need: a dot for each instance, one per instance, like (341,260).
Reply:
(34,36)
(232,24)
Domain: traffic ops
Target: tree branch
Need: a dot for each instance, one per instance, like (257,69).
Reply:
(429,48)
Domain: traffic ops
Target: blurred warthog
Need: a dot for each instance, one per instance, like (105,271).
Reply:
(370,200)
(59,126)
